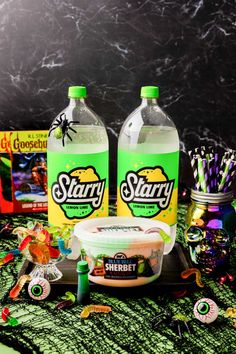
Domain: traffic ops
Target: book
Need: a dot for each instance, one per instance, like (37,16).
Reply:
(23,171)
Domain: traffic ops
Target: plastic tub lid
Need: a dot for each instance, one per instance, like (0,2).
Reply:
(120,229)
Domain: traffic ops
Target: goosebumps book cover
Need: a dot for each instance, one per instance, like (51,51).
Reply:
(23,171)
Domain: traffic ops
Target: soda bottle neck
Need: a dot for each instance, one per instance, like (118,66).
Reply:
(149,102)
(77,102)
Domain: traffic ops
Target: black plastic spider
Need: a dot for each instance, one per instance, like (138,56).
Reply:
(61,126)
(179,320)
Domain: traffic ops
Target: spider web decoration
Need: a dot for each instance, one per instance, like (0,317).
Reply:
(126,330)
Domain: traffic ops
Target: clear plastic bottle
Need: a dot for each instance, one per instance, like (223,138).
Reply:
(148,164)
(77,160)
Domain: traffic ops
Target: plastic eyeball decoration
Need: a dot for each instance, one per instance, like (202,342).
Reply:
(206,310)
(39,288)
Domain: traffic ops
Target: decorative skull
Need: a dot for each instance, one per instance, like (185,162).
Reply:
(209,248)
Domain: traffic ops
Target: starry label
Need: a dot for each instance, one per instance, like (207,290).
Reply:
(150,197)
(147,185)
(76,197)
(78,186)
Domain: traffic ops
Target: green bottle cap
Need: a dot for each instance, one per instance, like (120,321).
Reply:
(77,92)
(150,92)
(82,267)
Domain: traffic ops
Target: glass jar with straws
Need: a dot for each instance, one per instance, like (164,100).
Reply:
(211,218)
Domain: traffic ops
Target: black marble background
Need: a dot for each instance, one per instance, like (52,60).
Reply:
(113,47)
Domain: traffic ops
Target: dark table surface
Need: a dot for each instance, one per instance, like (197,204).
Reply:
(128,328)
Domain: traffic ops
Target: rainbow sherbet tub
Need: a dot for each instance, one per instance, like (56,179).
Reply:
(122,251)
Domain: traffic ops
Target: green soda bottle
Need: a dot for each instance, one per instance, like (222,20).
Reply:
(148,162)
(77,160)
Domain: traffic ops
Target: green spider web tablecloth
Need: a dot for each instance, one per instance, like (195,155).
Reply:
(127,329)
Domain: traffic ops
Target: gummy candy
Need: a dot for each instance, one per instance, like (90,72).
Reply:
(39,253)
(54,253)
(69,301)
(230,312)
(94,308)
(15,252)
(61,246)
(43,236)
(166,238)
(186,273)
(9,257)
(24,243)
(3,254)
(19,285)
(5,313)
(12,321)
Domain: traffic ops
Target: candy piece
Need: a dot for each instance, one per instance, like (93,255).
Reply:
(43,236)
(165,237)
(94,308)
(15,291)
(54,253)
(230,312)
(61,246)
(36,227)
(206,310)
(12,321)
(20,231)
(69,301)
(39,253)
(15,252)
(25,242)
(3,254)
(39,288)
(5,313)
(9,257)
(186,273)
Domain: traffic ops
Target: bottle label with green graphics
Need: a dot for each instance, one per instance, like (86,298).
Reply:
(77,187)
(148,185)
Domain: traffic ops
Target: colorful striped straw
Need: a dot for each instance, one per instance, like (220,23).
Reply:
(213,171)
(193,161)
(225,173)
(201,175)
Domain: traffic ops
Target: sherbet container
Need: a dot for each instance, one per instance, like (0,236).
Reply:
(122,251)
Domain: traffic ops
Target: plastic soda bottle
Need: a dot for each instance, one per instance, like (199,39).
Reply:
(77,159)
(148,164)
